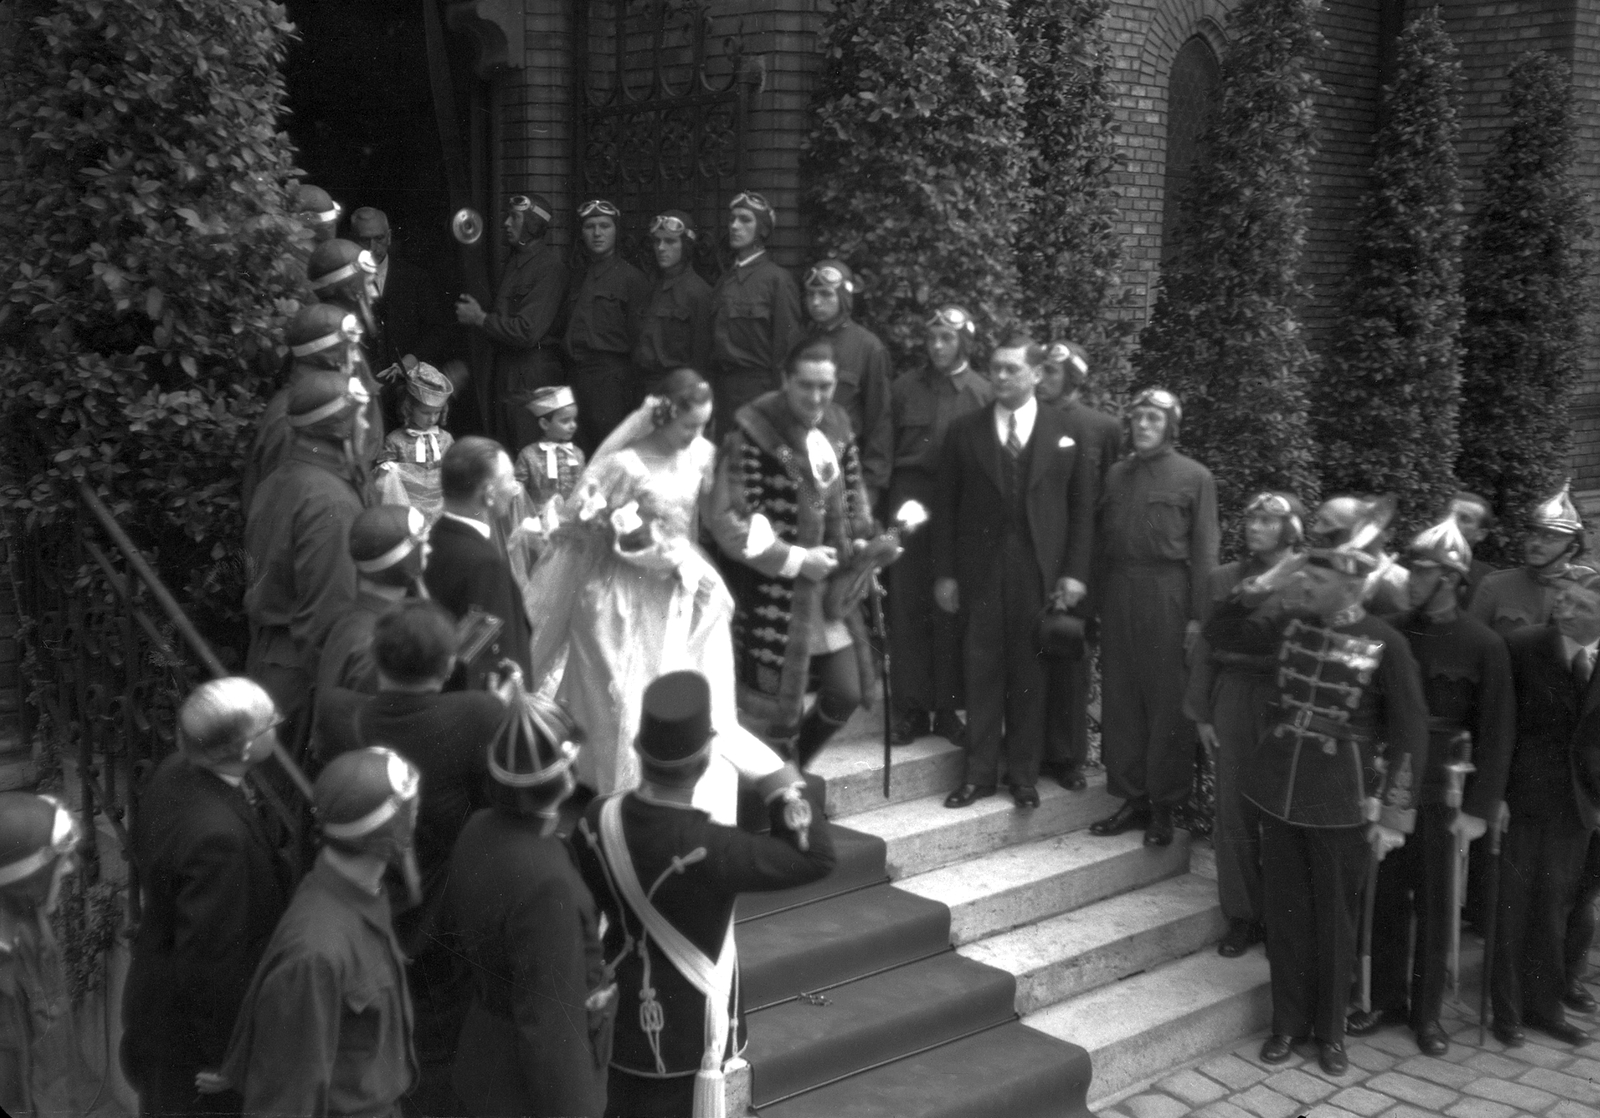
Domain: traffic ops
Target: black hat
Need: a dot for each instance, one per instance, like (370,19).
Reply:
(675,720)
(1058,635)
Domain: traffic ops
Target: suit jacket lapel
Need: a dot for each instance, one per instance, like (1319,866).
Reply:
(988,449)
(1047,430)
(1561,670)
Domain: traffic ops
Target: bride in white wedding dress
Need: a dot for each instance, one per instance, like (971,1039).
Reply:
(625,590)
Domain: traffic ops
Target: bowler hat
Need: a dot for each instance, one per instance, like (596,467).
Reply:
(1058,635)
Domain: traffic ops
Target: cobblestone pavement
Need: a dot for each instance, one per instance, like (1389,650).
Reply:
(1388,1078)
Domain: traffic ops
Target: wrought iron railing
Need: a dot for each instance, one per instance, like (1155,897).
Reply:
(109,655)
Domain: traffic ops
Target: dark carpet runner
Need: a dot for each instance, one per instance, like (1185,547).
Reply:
(859,1008)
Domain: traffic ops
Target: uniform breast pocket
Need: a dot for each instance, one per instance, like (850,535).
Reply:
(1166,515)
(363,1013)
(609,312)
(752,311)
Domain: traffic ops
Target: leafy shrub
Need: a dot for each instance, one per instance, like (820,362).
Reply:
(1224,333)
(1069,254)
(1387,399)
(1524,290)
(146,265)
(912,165)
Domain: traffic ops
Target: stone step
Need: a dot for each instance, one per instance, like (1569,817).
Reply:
(1016,885)
(1074,952)
(924,835)
(1163,1017)
(852,766)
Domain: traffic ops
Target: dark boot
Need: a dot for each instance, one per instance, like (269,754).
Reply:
(814,734)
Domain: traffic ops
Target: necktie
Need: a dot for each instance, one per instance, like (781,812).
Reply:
(1013,444)
(1582,668)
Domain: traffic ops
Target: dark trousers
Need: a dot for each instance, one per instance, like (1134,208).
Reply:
(1066,719)
(1311,887)
(606,387)
(636,1096)
(1414,880)
(1581,923)
(924,640)
(1541,861)
(1005,680)
(1146,742)
(1238,705)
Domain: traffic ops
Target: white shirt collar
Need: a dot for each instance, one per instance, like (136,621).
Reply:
(478,526)
(752,258)
(1026,414)
(1570,648)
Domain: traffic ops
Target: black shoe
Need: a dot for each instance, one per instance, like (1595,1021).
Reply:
(1331,1058)
(1431,1039)
(1277,1049)
(908,727)
(1159,832)
(1025,794)
(1509,1034)
(1577,998)
(1132,815)
(1071,778)
(1240,936)
(947,724)
(1365,1022)
(1565,1033)
(967,794)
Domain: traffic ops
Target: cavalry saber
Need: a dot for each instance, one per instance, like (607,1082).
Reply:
(1369,904)
(1455,795)
(1491,900)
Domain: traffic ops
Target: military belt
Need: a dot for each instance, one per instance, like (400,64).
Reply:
(1306,722)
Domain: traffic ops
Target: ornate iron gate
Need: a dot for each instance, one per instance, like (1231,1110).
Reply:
(659,122)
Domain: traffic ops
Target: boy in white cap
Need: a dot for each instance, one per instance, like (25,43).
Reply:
(549,467)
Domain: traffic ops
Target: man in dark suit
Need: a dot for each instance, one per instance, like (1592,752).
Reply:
(1012,530)
(469,568)
(648,840)
(213,889)
(1552,793)
(537,1040)
(1066,742)
(411,311)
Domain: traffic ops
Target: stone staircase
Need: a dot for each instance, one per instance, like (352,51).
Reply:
(978,962)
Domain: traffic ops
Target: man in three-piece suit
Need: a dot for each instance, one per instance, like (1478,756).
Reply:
(469,567)
(213,888)
(1552,792)
(1012,531)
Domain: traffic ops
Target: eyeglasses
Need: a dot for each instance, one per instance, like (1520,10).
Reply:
(521,203)
(666,223)
(750,200)
(955,318)
(828,276)
(598,206)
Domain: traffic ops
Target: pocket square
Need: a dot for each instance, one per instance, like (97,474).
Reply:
(1066,441)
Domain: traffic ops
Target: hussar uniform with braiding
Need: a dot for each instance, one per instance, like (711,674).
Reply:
(1347,743)
(666,878)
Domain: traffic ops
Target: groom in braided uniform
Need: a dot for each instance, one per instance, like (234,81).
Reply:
(789,469)
(665,878)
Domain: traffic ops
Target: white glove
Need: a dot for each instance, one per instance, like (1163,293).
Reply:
(1469,827)
(1384,839)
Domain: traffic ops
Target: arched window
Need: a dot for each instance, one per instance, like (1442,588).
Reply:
(1191,89)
